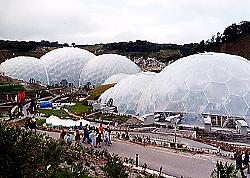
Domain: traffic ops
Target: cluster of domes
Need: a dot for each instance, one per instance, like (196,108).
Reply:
(66,65)
(208,83)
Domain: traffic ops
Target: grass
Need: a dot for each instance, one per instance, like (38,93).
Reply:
(79,108)
(40,122)
(49,112)
(94,94)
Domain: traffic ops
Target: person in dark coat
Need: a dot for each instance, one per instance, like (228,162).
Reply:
(239,163)
(246,160)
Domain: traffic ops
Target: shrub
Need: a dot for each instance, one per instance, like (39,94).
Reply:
(114,168)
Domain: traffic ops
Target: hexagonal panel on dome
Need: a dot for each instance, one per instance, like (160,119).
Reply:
(215,109)
(247,116)
(236,106)
(177,91)
(197,81)
(219,74)
(161,102)
(237,87)
(175,107)
(247,98)
(216,92)
(195,101)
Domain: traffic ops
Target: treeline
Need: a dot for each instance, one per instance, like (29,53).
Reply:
(28,45)
(230,33)
(139,46)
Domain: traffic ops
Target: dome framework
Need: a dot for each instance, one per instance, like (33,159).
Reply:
(101,67)
(25,68)
(64,65)
(209,83)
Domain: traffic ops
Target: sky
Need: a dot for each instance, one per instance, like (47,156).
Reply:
(103,21)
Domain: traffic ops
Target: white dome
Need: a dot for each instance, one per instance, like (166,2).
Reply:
(126,94)
(65,64)
(25,68)
(209,83)
(115,78)
(98,69)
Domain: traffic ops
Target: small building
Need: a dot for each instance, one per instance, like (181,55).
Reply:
(207,123)
(91,102)
(241,127)
(98,106)
(149,119)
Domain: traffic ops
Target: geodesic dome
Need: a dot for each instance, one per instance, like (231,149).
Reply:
(209,83)
(65,64)
(25,68)
(98,69)
(126,94)
(115,78)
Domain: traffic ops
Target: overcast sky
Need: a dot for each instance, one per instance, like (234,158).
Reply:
(96,21)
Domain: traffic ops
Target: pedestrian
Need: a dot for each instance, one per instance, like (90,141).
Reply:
(80,126)
(246,160)
(109,132)
(106,137)
(98,140)
(62,135)
(77,137)
(68,139)
(239,163)
(86,134)
(101,129)
(92,137)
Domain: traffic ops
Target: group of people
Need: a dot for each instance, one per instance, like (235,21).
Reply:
(242,161)
(89,135)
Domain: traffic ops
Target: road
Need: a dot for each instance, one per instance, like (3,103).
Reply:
(175,164)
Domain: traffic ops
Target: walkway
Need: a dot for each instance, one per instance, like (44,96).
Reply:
(173,163)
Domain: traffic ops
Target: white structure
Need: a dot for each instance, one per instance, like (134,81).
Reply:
(65,64)
(98,69)
(208,83)
(208,123)
(29,69)
(241,127)
(56,121)
(115,78)
(149,119)
(98,106)
(127,93)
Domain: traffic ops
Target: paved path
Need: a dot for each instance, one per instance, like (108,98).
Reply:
(175,164)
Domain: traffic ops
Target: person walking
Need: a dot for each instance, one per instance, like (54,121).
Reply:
(106,137)
(68,139)
(98,139)
(246,161)
(239,163)
(92,138)
(77,137)
(62,135)
(86,134)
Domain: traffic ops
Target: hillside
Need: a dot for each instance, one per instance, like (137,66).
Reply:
(235,39)
(240,47)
